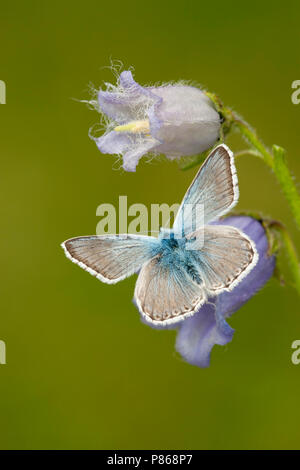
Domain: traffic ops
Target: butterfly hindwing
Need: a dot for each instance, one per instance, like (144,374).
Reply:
(165,293)
(224,256)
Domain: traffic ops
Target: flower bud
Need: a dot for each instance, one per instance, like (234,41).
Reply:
(176,120)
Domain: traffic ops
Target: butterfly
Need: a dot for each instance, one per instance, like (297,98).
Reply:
(183,267)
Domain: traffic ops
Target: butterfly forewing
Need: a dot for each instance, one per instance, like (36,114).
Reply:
(224,258)
(110,258)
(213,192)
(165,293)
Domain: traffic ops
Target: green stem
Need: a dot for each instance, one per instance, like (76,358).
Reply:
(252,138)
(286,182)
(240,153)
(274,160)
(199,159)
(290,251)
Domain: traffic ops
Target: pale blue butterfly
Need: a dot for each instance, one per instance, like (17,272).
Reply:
(183,267)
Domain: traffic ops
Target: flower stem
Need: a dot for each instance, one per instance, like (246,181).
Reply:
(286,182)
(274,159)
(290,250)
(252,138)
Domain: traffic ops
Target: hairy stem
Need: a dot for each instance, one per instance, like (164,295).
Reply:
(286,182)
(274,159)
(290,251)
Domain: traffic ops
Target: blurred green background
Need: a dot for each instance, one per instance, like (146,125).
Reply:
(82,370)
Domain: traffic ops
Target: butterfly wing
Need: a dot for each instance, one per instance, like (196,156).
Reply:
(165,293)
(213,192)
(224,256)
(110,258)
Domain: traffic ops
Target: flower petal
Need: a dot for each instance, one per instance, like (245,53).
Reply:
(128,101)
(197,335)
(188,122)
(229,302)
(113,142)
(116,106)
(132,156)
(128,83)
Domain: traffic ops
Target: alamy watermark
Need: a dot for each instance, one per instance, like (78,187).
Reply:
(296,354)
(2,352)
(134,219)
(295,97)
(137,219)
(2,92)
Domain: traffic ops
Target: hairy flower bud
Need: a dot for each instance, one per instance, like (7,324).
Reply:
(176,120)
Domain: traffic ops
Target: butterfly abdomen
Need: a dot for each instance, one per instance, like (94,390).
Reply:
(193,272)
(174,253)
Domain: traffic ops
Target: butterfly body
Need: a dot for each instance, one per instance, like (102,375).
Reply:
(173,253)
(184,266)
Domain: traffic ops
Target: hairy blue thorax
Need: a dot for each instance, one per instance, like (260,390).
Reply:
(175,255)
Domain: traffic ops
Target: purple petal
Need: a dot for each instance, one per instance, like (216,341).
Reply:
(116,106)
(126,79)
(128,100)
(229,302)
(184,121)
(113,142)
(132,156)
(127,82)
(155,123)
(197,335)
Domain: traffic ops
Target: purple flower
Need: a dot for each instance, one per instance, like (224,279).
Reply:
(198,334)
(175,120)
